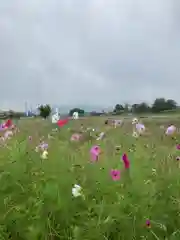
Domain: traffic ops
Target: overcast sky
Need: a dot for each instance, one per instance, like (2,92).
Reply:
(94,52)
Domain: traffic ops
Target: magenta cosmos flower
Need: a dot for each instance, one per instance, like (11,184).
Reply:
(178,146)
(148,223)
(115,174)
(126,161)
(95,152)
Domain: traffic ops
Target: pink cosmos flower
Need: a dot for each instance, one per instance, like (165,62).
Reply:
(170,130)
(178,146)
(8,134)
(126,161)
(148,223)
(75,137)
(95,151)
(13,127)
(115,174)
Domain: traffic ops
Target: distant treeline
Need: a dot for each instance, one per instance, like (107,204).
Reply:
(160,105)
(11,114)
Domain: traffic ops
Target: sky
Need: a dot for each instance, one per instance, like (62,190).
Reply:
(88,52)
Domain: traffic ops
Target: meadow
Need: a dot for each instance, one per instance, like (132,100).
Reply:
(36,200)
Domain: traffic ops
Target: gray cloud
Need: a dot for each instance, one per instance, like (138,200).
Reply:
(95,52)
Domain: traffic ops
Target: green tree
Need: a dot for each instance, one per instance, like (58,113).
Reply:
(171,104)
(126,107)
(161,104)
(44,111)
(118,109)
(141,108)
(11,114)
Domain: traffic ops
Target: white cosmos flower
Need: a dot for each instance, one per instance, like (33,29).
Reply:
(134,121)
(77,190)
(101,136)
(44,155)
(153,171)
(8,134)
(135,135)
(37,149)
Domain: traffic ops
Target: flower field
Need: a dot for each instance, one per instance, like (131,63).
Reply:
(119,187)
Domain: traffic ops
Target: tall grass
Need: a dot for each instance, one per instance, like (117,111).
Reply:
(36,202)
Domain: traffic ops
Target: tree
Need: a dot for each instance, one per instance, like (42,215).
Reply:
(11,114)
(134,107)
(171,104)
(161,104)
(79,110)
(141,108)
(126,107)
(45,111)
(118,109)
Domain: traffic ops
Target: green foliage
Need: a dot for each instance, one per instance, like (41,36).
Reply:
(118,109)
(36,202)
(45,111)
(159,105)
(141,108)
(11,114)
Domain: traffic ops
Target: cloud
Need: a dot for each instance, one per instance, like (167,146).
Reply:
(94,52)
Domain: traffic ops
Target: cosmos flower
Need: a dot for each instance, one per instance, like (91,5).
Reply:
(178,146)
(134,121)
(148,223)
(54,129)
(101,136)
(126,161)
(37,149)
(44,155)
(8,134)
(115,174)
(135,135)
(170,130)
(140,128)
(75,137)
(118,148)
(153,171)
(77,190)
(50,136)
(95,151)
(43,146)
